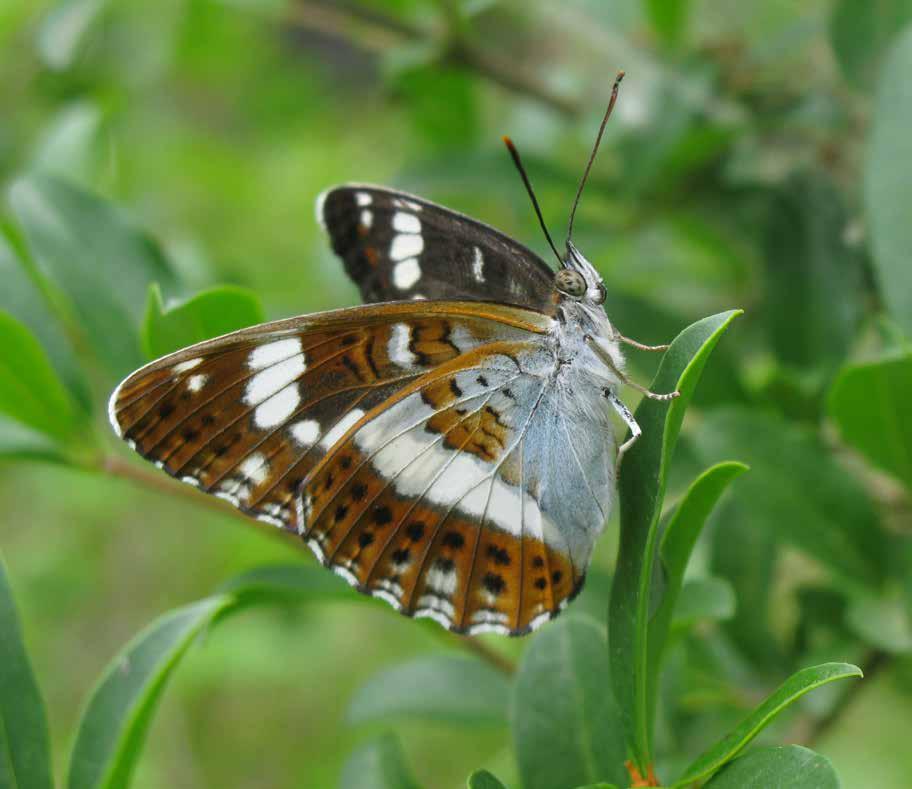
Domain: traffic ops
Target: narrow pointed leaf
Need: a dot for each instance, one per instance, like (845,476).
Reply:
(642,489)
(790,691)
(99,263)
(25,755)
(784,767)
(22,298)
(442,688)
(30,391)
(566,725)
(678,542)
(208,314)
(113,728)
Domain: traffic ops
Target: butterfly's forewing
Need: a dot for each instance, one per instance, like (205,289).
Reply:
(245,417)
(397,246)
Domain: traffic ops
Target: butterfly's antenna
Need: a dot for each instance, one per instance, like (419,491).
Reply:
(522,172)
(598,139)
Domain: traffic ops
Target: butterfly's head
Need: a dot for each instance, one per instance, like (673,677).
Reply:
(578,280)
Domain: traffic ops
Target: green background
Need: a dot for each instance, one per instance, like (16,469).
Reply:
(759,157)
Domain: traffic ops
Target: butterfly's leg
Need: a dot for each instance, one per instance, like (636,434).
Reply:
(639,345)
(624,379)
(624,413)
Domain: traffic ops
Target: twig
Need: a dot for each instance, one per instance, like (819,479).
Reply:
(379,31)
(487,654)
(117,467)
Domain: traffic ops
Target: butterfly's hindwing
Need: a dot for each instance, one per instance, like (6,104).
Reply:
(427,503)
(397,246)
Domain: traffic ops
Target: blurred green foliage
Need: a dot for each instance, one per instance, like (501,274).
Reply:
(759,157)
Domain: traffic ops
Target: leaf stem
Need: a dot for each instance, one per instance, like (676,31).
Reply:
(483,651)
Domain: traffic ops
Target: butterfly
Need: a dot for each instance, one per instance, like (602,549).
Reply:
(447,447)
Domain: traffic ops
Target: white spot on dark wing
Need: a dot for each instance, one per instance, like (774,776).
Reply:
(388,597)
(341,427)
(306,432)
(277,408)
(273,379)
(401,202)
(367,219)
(406,273)
(436,603)
(363,198)
(478,265)
(191,481)
(398,349)
(197,382)
(269,354)
(406,223)
(255,468)
(442,582)
(184,367)
(406,246)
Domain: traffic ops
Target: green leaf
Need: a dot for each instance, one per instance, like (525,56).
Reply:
(378,764)
(18,442)
(668,17)
(566,725)
(815,276)
(116,720)
(888,172)
(25,754)
(675,548)
(883,620)
(208,314)
(870,403)
(442,688)
(99,262)
(64,29)
(704,598)
(642,489)
(797,492)
(482,779)
(30,391)
(860,33)
(790,691)
(22,298)
(72,145)
(290,583)
(785,767)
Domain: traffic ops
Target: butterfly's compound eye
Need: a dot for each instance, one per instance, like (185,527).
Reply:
(570,282)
